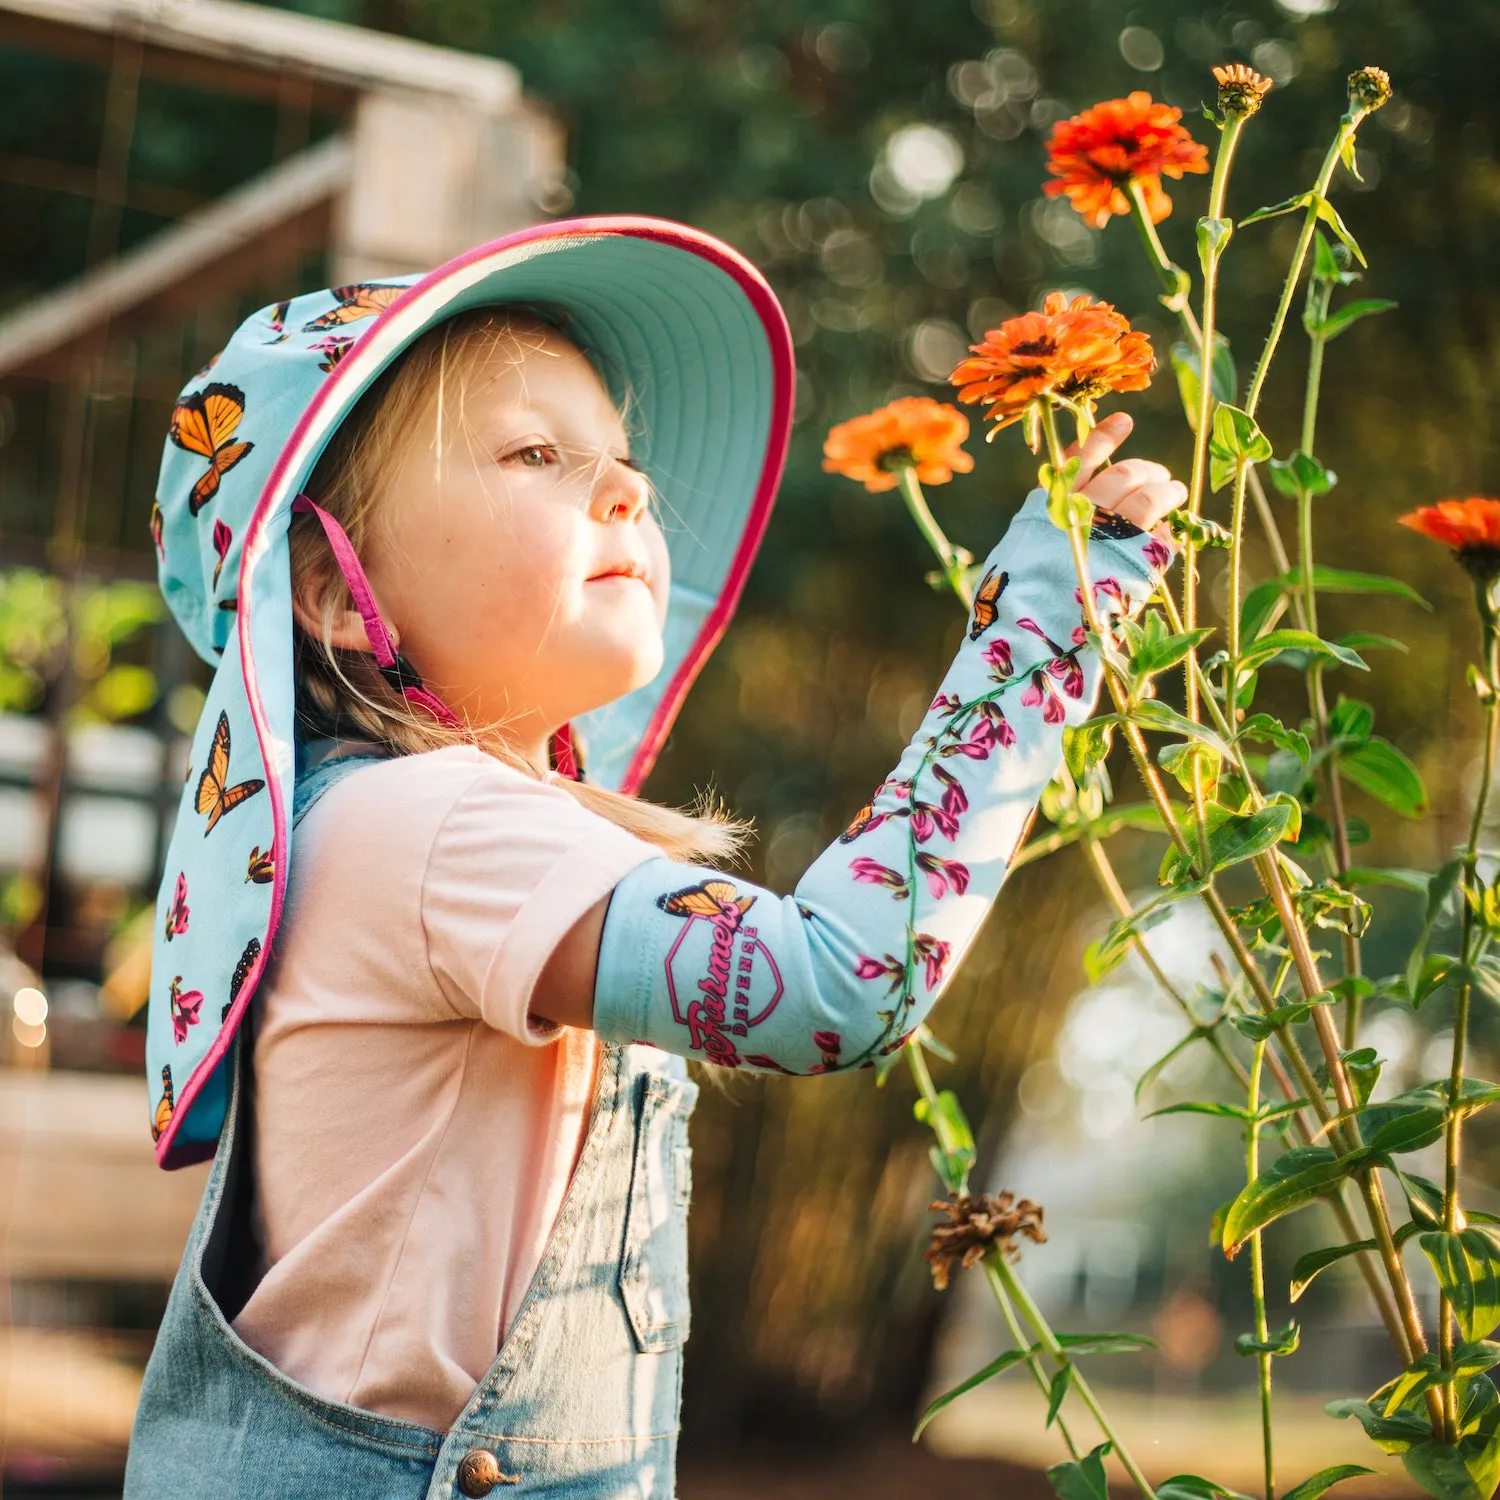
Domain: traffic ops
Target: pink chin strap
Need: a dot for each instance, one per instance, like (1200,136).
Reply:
(393,666)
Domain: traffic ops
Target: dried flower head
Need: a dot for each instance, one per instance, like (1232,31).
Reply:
(1369,88)
(1078,351)
(978,1225)
(1240,90)
(915,432)
(1470,528)
(1095,156)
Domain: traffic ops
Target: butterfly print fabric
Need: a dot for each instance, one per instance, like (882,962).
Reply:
(840,973)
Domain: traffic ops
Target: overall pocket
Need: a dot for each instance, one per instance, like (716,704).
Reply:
(653,1264)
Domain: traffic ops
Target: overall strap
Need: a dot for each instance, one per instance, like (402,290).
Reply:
(325,774)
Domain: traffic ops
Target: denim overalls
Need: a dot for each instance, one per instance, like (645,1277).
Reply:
(583,1398)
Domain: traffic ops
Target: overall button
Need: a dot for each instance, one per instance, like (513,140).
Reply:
(479,1472)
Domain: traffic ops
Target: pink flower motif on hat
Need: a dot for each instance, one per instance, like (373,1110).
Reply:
(333,349)
(223,536)
(177,913)
(185,1008)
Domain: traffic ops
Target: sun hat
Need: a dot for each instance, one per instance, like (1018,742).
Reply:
(684,321)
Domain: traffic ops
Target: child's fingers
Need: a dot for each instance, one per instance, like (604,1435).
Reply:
(1109,488)
(1099,444)
(1147,506)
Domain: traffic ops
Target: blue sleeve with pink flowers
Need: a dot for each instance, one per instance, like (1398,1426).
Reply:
(707,965)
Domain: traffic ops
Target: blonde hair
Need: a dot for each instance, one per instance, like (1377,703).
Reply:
(343,692)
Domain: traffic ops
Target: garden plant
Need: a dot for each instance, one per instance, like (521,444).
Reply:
(1250,807)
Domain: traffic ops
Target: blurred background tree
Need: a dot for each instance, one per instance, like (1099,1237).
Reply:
(883,164)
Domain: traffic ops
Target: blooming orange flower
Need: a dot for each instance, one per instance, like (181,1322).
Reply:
(1096,155)
(1470,527)
(928,435)
(1078,350)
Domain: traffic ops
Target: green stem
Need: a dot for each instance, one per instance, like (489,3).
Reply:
(947,554)
(999,1270)
(1033,1362)
(1172,275)
(1258,1270)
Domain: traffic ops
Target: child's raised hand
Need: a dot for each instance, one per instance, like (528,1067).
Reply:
(1141,491)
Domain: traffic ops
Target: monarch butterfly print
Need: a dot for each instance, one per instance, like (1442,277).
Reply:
(242,970)
(223,537)
(862,820)
(1109,523)
(185,1007)
(177,913)
(165,1104)
(215,796)
(711,899)
(205,423)
(361,300)
(987,601)
(260,869)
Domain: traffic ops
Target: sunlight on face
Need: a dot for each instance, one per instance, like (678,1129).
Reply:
(518,556)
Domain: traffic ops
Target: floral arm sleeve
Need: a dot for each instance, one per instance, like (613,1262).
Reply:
(707,965)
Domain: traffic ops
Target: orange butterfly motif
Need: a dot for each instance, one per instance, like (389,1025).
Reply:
(215,796)
(986,602)
(711,899)
(205,423)
(261,868)
(361,300)
(165,1107)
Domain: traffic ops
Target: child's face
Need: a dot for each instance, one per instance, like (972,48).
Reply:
(517,554)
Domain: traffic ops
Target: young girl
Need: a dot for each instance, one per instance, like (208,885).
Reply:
(449,544)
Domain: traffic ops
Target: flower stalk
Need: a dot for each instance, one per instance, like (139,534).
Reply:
(1263,1356)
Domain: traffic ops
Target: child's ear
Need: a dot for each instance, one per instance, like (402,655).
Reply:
(348,632)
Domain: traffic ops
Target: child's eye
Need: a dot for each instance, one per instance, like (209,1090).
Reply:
(532,456)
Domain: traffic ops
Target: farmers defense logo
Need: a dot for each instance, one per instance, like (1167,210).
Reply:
(721,978)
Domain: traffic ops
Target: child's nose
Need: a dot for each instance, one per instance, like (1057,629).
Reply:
(621,493)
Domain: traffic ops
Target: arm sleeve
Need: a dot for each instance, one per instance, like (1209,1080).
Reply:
(707,965)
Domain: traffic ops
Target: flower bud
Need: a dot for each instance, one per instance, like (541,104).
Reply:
(1369,88)
(1240,90)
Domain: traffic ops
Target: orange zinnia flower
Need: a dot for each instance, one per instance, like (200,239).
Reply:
(1078,351)
(915,432)
(1471,528)
(1095,156)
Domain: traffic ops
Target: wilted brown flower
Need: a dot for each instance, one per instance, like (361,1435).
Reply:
(978,1225)
(1240,89)
(1369,88)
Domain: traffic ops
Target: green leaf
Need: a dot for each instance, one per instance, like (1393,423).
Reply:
(1203,1107)
(1278,641)
(1144,1082)
(1325,263)
(1195,1487)
(1393,1434)
(1151,713)
(1180,761)
(1065,506)
(1362,1068)
(1302,474)
(1398,1130)
(1086,746)
(1379,768)
(1213,236)
(1006,1361)
(1351,720)
(1139,815)
(1328,580)
(1286,206)
(1057,1392)
(1440,887)
(1309,1266)
(1261,603)
(1269,730)
(1258,1027)
(1295,1179)
(1372,640)
(1441,1471)
(1236,439)
(1242,837)
(1332,326)
(1467,1266)
(1403,879)
(1285,1340)
(1083,1480)
(954,1155)
(1186,364)
(1105,1343)
(1158,655)
(1330,216)
(1101,957)
(1316,1484)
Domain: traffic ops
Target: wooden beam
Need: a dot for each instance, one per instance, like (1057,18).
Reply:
(228,238)
(253,38)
